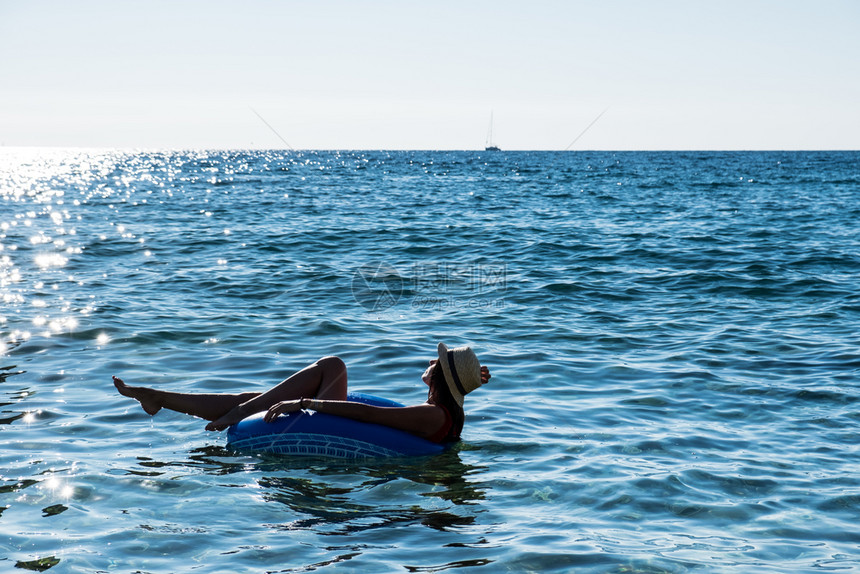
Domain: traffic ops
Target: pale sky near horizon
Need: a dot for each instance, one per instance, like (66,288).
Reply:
(334,74)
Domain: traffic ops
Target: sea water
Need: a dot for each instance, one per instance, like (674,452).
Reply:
(673,339)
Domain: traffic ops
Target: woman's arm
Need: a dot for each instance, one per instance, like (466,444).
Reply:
(422,420)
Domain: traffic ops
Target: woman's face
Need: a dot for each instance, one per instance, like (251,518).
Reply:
(428,373)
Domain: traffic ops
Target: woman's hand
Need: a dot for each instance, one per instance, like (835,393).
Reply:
(485,375)
(282,407)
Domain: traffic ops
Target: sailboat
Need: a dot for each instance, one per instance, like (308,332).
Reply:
(490,146)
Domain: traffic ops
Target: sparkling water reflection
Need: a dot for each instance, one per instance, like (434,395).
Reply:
(672,337)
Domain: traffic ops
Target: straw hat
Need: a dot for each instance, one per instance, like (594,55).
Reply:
(462,370)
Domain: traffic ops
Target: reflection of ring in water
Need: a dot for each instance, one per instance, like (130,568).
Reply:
(326,505)
(318,434)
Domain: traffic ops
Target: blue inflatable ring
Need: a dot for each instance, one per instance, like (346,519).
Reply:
(305,433)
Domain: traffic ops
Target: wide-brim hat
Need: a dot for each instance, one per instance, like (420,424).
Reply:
(462,370)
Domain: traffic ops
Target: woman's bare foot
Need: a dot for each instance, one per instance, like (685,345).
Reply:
(148,398)
(235,415)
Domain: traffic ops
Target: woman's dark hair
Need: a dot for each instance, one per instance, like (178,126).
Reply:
(441,395)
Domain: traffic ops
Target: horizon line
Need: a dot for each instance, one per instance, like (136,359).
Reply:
(362,149)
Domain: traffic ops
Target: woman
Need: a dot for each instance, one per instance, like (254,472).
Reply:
(321,387)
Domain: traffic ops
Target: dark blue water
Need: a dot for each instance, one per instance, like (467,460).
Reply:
(672,336)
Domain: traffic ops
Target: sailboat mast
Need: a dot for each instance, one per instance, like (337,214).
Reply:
(490,146)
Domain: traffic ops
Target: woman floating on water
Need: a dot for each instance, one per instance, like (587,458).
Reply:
(321,387)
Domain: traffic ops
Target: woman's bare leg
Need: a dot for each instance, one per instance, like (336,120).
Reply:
(324,379)
(205,406)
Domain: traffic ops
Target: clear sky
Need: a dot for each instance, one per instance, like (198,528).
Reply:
(337,74)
